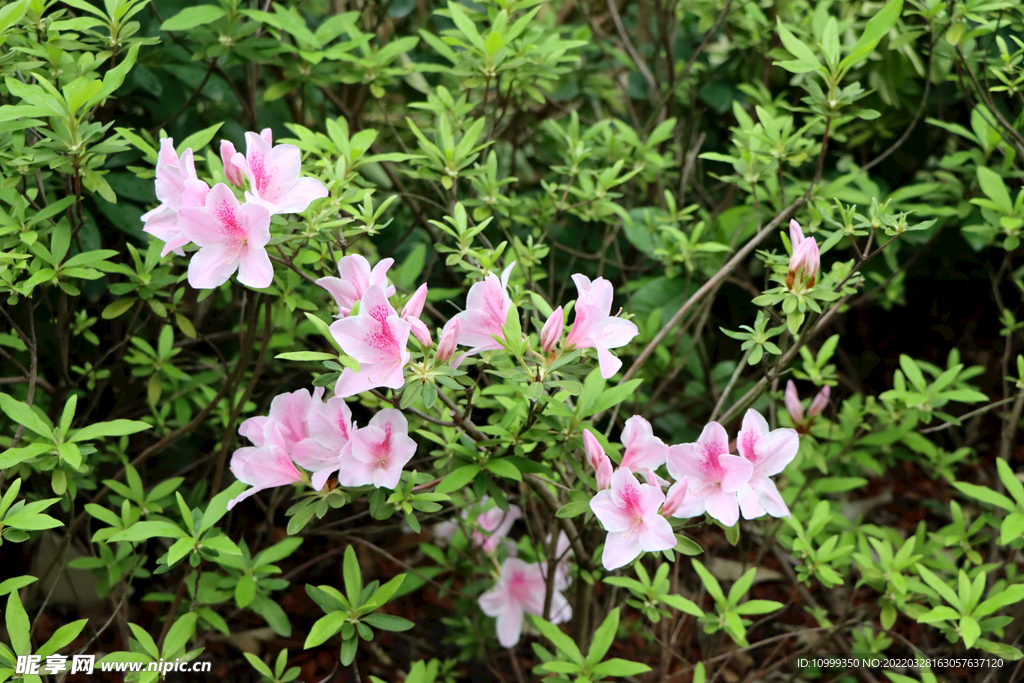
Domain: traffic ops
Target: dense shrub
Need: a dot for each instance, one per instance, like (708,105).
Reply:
(571,340)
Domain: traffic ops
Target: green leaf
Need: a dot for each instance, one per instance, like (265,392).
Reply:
(222,544)
(112,428)
(940,586)
(876,28)
(503,468)
(806,60)
(388,622)
(710,582)
(197,141)
(613,397)
(306,355)
(603,638)
(245,590)
(324,628)
(24,415)
(1008,596)
(1012,528)
(18,626)
(218,506)
(682,604)
(573,509)
(985,495)
(192,17)
(759,607)
(179,634)
(458,478)
(940,613)
(142,531)
(1010,480)
(619,668)
(353,575)
(558,639)
(970,630)
(117,308)
(256,663)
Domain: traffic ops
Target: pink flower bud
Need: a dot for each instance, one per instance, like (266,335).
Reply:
(551,333)
(598,460)
(806,262)
(267,135)
(796,235)
(411,314)
(449,340)
(819,402)
(676,496)
(796,411)
(604,474)
(234,174)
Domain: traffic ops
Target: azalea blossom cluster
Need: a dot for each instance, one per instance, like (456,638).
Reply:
(304,431)
(376,335)
(231,236)
(708,478)
(805,261)
(521,586)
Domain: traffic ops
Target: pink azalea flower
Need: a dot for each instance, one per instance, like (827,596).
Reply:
(768,452)
(379,451)
(644,451)
(495,524)
(274,175)
(234,174)
(323,452)
(714,475)
(285,425)
(354,278)
(262,468)
(377,339)
(597,458)
(595,327)
(411,314)
(629,513)
(520,590)
(230,237)
(487,306)
(449,340)
(177,186)
(551,333)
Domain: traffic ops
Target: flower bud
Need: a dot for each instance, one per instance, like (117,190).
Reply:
(551,333)
(234,174)
(411,314)
(267,135)
(676,496)
(819,402)
(806,262)
(598,460)
(449,340)
(796,235)
(796,411)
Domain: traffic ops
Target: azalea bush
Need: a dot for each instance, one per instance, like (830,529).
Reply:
(511,340)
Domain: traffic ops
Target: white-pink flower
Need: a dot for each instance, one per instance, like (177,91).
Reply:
(233,173)
(628,511)
(379,451)
(354,278)
(262,468)
(595,327)
(230,237)
(487,306)
(330,427)
(285,425)
(377,339)
(768,452)
(274,174)
(411,314)
(644,451)
(714,475)
(177,186)
(495,524)
(520,590)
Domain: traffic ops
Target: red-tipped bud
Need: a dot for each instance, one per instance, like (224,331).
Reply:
(819,402)
(234,174)
(449,340)
(676,496)
(551,333)
(796,411)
